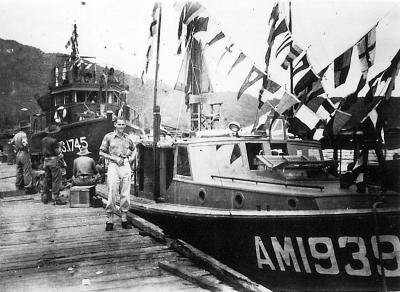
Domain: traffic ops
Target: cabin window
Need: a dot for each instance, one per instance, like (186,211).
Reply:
(59,100)
(183,167)
(80,96)
(277,130)
(253,149)
(229,156)
(68,97)
(92,98)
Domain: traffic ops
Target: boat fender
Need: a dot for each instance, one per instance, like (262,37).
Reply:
(238,200)
(202,195)
(63,112)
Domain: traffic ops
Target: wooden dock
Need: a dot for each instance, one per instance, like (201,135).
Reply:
(58,248)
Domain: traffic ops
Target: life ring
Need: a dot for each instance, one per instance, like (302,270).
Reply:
(57,117)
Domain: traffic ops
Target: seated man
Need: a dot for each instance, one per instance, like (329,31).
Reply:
(84,171)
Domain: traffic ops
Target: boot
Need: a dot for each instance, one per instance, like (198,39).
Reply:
(46,198)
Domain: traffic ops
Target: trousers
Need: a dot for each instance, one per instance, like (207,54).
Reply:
(53,176)
(84,180)
(24,170)
(119,182)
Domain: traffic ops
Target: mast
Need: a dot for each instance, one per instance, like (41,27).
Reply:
(156,120)
(290,49)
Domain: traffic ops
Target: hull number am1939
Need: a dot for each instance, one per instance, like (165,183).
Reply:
(350,254)
(74,144)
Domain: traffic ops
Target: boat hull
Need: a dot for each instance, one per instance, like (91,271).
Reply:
(300,250)
(87,133)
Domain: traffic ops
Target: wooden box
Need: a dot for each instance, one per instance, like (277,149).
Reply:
(79,196)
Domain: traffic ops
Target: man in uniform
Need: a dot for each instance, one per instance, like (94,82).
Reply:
(118,148)
(52,154)
(24,178)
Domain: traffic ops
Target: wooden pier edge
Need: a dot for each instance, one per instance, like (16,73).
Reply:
(216,268)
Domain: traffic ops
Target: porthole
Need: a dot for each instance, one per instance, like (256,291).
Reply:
(292,203)
(202,196)
(238,200)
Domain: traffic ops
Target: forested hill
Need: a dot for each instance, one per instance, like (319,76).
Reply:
(25,71)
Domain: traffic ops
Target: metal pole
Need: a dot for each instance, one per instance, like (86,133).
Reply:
(156,120)
(291,64)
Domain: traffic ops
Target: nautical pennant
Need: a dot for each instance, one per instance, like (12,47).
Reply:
(228,49)
(286,101)
(253,76)
(302,64)
(339,121)
(239,59)
(305,80)
(274,31)
(341,67)
(307,117)
(293,53)
(192,9)
(215,39)
(269,85)
(152,32)
(326,109)
(366,50)
(323,71)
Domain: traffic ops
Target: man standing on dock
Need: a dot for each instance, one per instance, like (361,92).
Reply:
(24,179)
(118,148)
(52,154)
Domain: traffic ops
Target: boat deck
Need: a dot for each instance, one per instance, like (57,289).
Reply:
(58,248)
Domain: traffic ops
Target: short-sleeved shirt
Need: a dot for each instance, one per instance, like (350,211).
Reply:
(20,141)
(49,146)
(121,146)
(84,165)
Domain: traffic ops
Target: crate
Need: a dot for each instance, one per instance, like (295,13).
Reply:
(79,196)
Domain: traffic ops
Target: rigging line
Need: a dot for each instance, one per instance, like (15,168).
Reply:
(211,16)
(372,27)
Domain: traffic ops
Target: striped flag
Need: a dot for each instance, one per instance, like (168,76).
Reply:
(366,50)
(341,66)
(293,53)
(302,81)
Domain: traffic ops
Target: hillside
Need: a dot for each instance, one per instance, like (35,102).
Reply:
(25,72)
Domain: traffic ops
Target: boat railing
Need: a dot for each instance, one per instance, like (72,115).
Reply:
(267,182)
(86,73)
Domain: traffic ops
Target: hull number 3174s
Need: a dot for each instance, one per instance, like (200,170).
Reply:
(74,144)
(325,256)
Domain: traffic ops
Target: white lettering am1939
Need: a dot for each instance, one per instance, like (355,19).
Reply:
(74,144)
(324,256)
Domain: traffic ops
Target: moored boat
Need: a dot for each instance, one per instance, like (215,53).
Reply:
(83,99)
(268,205)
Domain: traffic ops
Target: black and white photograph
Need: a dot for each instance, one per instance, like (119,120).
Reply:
(199,145)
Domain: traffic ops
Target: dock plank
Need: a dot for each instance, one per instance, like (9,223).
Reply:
(54,248)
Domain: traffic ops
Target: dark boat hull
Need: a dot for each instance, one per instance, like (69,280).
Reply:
(87,133)
(305,251)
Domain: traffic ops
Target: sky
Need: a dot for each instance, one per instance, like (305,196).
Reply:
(116,32)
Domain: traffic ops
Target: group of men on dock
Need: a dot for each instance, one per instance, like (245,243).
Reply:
(116,147)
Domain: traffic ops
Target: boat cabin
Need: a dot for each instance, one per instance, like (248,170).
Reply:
(190,169)
(81,91)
